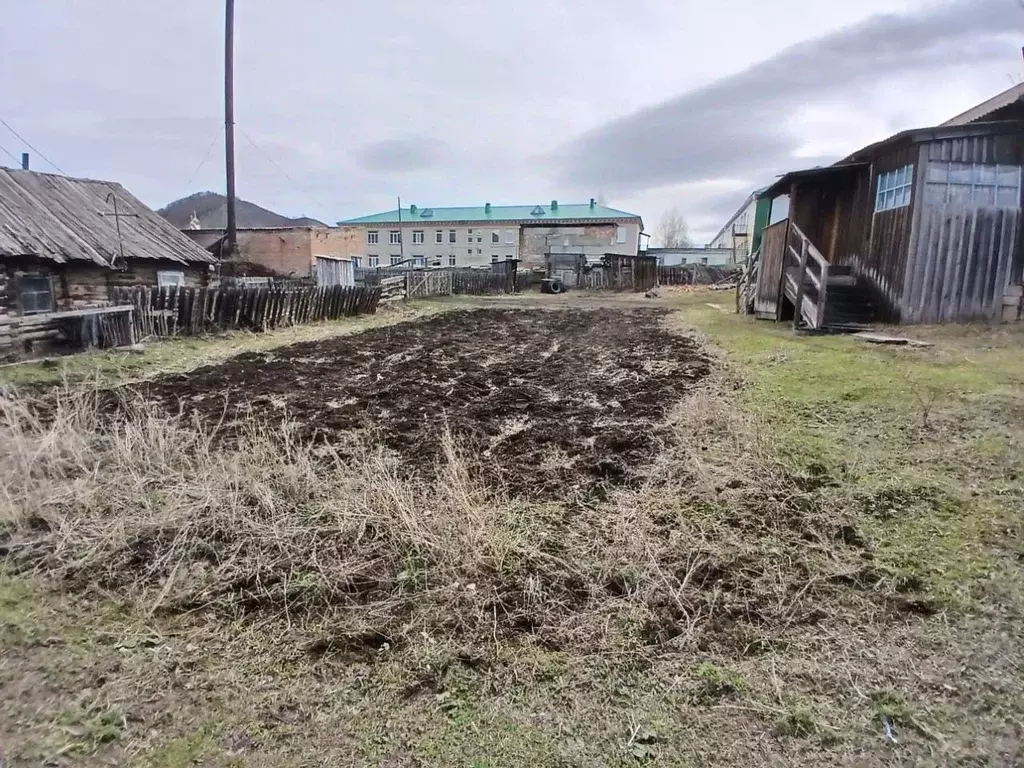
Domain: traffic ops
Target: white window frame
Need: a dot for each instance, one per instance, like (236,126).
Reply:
(372,237)
(452,235)
(395,237)
(939,176)
(495,258)
(620,235)
(357,262)
(419,261)
(495,237)
(372,262)
(509,257)
(510,237)
(439,236)
(417,236)
(452,260)
(396,259)
(894,189)
(166,278)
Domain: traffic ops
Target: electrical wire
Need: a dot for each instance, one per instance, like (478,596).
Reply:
(270,160)
(195,173)
(29,145)
(6,152)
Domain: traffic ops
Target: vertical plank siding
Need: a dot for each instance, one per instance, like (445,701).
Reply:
(193,311)
(767,299)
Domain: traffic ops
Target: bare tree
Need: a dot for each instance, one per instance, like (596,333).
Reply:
(672,232)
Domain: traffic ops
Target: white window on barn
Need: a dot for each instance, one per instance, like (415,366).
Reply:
(35,294)
(894,189)
(451,261)
(168,278)
(510,237)
(620,234)
(396,237)
(417,237)
(373,261)
(371,237)
(495,237)
(973,184)
(395,260)
(439,236)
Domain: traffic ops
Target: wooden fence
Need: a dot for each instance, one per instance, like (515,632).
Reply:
(421,283)
(696,274)
(193,311)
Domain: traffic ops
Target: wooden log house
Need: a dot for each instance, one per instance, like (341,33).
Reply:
(65,244)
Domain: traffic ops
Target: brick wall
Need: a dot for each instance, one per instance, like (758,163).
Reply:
(288,252)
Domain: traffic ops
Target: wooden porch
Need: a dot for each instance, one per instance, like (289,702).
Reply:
(792,277)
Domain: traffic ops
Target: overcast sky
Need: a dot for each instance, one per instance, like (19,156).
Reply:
(343,106)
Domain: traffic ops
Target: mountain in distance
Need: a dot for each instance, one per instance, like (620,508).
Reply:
(212,211)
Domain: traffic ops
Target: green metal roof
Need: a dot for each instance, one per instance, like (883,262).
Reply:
(525,213)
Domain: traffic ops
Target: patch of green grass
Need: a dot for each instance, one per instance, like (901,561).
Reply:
(716,682)
(182,752)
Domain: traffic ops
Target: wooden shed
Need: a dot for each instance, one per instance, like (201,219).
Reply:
(923,227)
(64,244)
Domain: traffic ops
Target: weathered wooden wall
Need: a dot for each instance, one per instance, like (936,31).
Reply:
(696,274)
(767,298)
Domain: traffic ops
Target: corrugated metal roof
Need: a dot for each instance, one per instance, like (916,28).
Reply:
(66,219)
(479,213)
(978,112)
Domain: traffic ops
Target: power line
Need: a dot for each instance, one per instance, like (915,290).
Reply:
(29,145)
(6,152)
(195,173)
(287,175)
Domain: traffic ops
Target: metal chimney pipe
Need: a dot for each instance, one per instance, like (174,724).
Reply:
(24,161)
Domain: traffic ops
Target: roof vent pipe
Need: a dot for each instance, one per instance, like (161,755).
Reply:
(24,161)
(487,207)
(412,209)
(592,201)
(554,205)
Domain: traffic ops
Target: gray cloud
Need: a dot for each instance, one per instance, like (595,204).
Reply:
(402,155)
(737,127)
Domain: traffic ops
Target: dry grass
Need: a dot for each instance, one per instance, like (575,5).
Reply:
(711,550)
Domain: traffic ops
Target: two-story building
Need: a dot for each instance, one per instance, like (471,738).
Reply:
(741,233)
(483,235)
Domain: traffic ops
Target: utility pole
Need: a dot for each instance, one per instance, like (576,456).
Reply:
(229,125)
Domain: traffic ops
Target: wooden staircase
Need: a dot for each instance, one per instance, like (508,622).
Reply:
(823,295)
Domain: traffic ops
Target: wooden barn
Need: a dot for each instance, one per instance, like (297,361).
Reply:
(923,227)
(64,244)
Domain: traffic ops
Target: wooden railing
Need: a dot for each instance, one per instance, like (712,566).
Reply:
(805,276)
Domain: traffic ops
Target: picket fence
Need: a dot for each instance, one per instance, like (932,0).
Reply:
(172,311)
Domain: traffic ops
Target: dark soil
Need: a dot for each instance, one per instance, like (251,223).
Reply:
(552,403)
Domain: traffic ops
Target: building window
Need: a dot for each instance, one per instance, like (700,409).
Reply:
(439,236)
(973,184)
(509,257)
(373,261)
(451,261)
(417,237)
(494,258)
(469,251)
(371,237)
(395,260)
(894,189)
(357,262)
(682,260)
(479,251)
(419,261)
(704,260)
(395,237)
(35,294)
(495,237)
(510,237)
(479,238)
(620,234)
(451,235)
(168,278)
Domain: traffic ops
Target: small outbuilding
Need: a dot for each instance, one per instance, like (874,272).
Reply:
(64,244)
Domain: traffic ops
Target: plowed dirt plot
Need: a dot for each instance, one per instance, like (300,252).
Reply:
(552,403)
